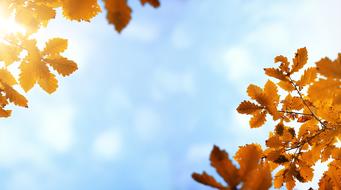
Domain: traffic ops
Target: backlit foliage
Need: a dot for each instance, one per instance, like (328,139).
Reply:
(306,104)
(18,48)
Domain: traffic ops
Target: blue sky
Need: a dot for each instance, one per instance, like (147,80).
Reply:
(145,107)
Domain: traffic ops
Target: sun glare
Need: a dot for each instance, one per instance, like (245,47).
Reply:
(9,26)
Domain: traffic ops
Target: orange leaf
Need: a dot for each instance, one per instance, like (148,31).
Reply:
(206,179)
(119,13)
(301,58)
(224,167)
(154,3)
(276,73)
(247,107)
(308,77)
(260,178)
(248,157)
(258,119)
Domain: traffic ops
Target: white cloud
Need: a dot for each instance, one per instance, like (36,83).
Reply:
(56,128)
(144,32)
(107,145)
(147,124)
(16,148)
(167,83)
(236,63)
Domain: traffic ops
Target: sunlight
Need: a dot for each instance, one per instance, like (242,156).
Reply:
(9,26)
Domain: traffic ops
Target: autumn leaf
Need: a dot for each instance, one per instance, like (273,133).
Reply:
(14,96)
(34,71)
(301,58)
(270,90)
(224,167)
(284,63)
(55,46)
(206,179)
(307,173)
(119,13)
(285,85)
(247,107)
(328,68)
(7,77)
(5,113)
(62,65)
(154,3)
(248,157)
(308,77)
(276,73)
(260,178)
(258,119)
(80,11)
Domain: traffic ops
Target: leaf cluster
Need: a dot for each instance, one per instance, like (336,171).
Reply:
(306,104)
(40,66)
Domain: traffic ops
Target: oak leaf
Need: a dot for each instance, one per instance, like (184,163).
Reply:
(247,107)
(224,167)
(154,3)
(206,179)
(83,10)
(301,58)
(119,13)
(258,119)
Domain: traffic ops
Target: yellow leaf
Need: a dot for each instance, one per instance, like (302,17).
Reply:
(308,77)
(33,71)
(247,107)
(301,58)
(48,81)
(28,75)
(323,89)
(44,13)
(80,10)
(14,96)
(55,46)
(224,167)
(285,85)
(7,77)
(9,54)
(26,17)
(258,119)
(154,3)
(248,157)
(119,13)
(62,65)
(330,68)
